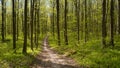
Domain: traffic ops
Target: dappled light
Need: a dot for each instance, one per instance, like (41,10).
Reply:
(60,34)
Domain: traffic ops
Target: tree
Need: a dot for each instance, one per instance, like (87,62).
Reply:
(119,17)
(65,26)
(112,23)
(78,19)
(25,28)
(58,28)
(35,22)
(3,20)
(17,24)
(53,24)
(32,13)
(14,24)
(5,23)
(104,32)
(38,20)
(86,29)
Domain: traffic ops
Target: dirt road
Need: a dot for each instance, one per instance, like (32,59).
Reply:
(49,59)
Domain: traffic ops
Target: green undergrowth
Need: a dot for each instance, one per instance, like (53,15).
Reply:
(90,54)
(9,59)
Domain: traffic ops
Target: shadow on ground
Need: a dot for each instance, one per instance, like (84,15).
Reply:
(49,59)
(38,63)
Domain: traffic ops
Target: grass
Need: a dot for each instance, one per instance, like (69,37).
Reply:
(9,59)
(90,54)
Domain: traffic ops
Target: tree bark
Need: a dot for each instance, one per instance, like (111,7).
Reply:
(65,26)
(25,28)
(53,24)
(3,20)
(14,26)
(112,23)
(104,32)
(17,20)
(32,14)
(78,20)
(58,28)
(86,27)
(119,18)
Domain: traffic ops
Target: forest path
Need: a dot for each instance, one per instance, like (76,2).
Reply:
(49,59)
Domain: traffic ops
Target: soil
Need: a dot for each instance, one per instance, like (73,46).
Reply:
(50,59)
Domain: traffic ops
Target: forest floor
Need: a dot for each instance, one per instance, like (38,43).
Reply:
(50,59)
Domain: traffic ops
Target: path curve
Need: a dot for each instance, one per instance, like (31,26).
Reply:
(50,59)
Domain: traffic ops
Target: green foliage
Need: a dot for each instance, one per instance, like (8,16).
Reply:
(91,54)
(9,59)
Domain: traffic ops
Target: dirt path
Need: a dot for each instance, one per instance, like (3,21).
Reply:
(49,59)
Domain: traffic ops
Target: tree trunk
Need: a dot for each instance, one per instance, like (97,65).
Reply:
(53,30)
(86,29)
(5,23)
(14,25)
(119,18)
(3,20)
(104,32)
(32,14)
(38,23)
(35,22)
(78,20)
(112,23)
(58,28)
(17,19)
(25,28)
(65,26)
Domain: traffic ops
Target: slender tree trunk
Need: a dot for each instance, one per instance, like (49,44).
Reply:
(112,23)
(14,25)
(25,28)
(5,23)
(65,26)
(76,14)
(35,22)
(32,13)
(53,20)
(78,20)
(86,27)
(17,20)
(38,21)
(58,28)
(119,18)
(104,32)
(3,20)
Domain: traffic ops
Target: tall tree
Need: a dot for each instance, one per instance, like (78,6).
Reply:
(14,24)
(5,23)
(119,17)
(112,23)
(53,24)
(25,28)
(35,22)
(17,23)
(104,32)
(32,14)
(78,19)
(38,23)
(65,26)
(3,20)
(86,27)
(58,25)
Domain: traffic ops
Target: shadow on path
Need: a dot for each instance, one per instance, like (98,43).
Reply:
(49,59)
